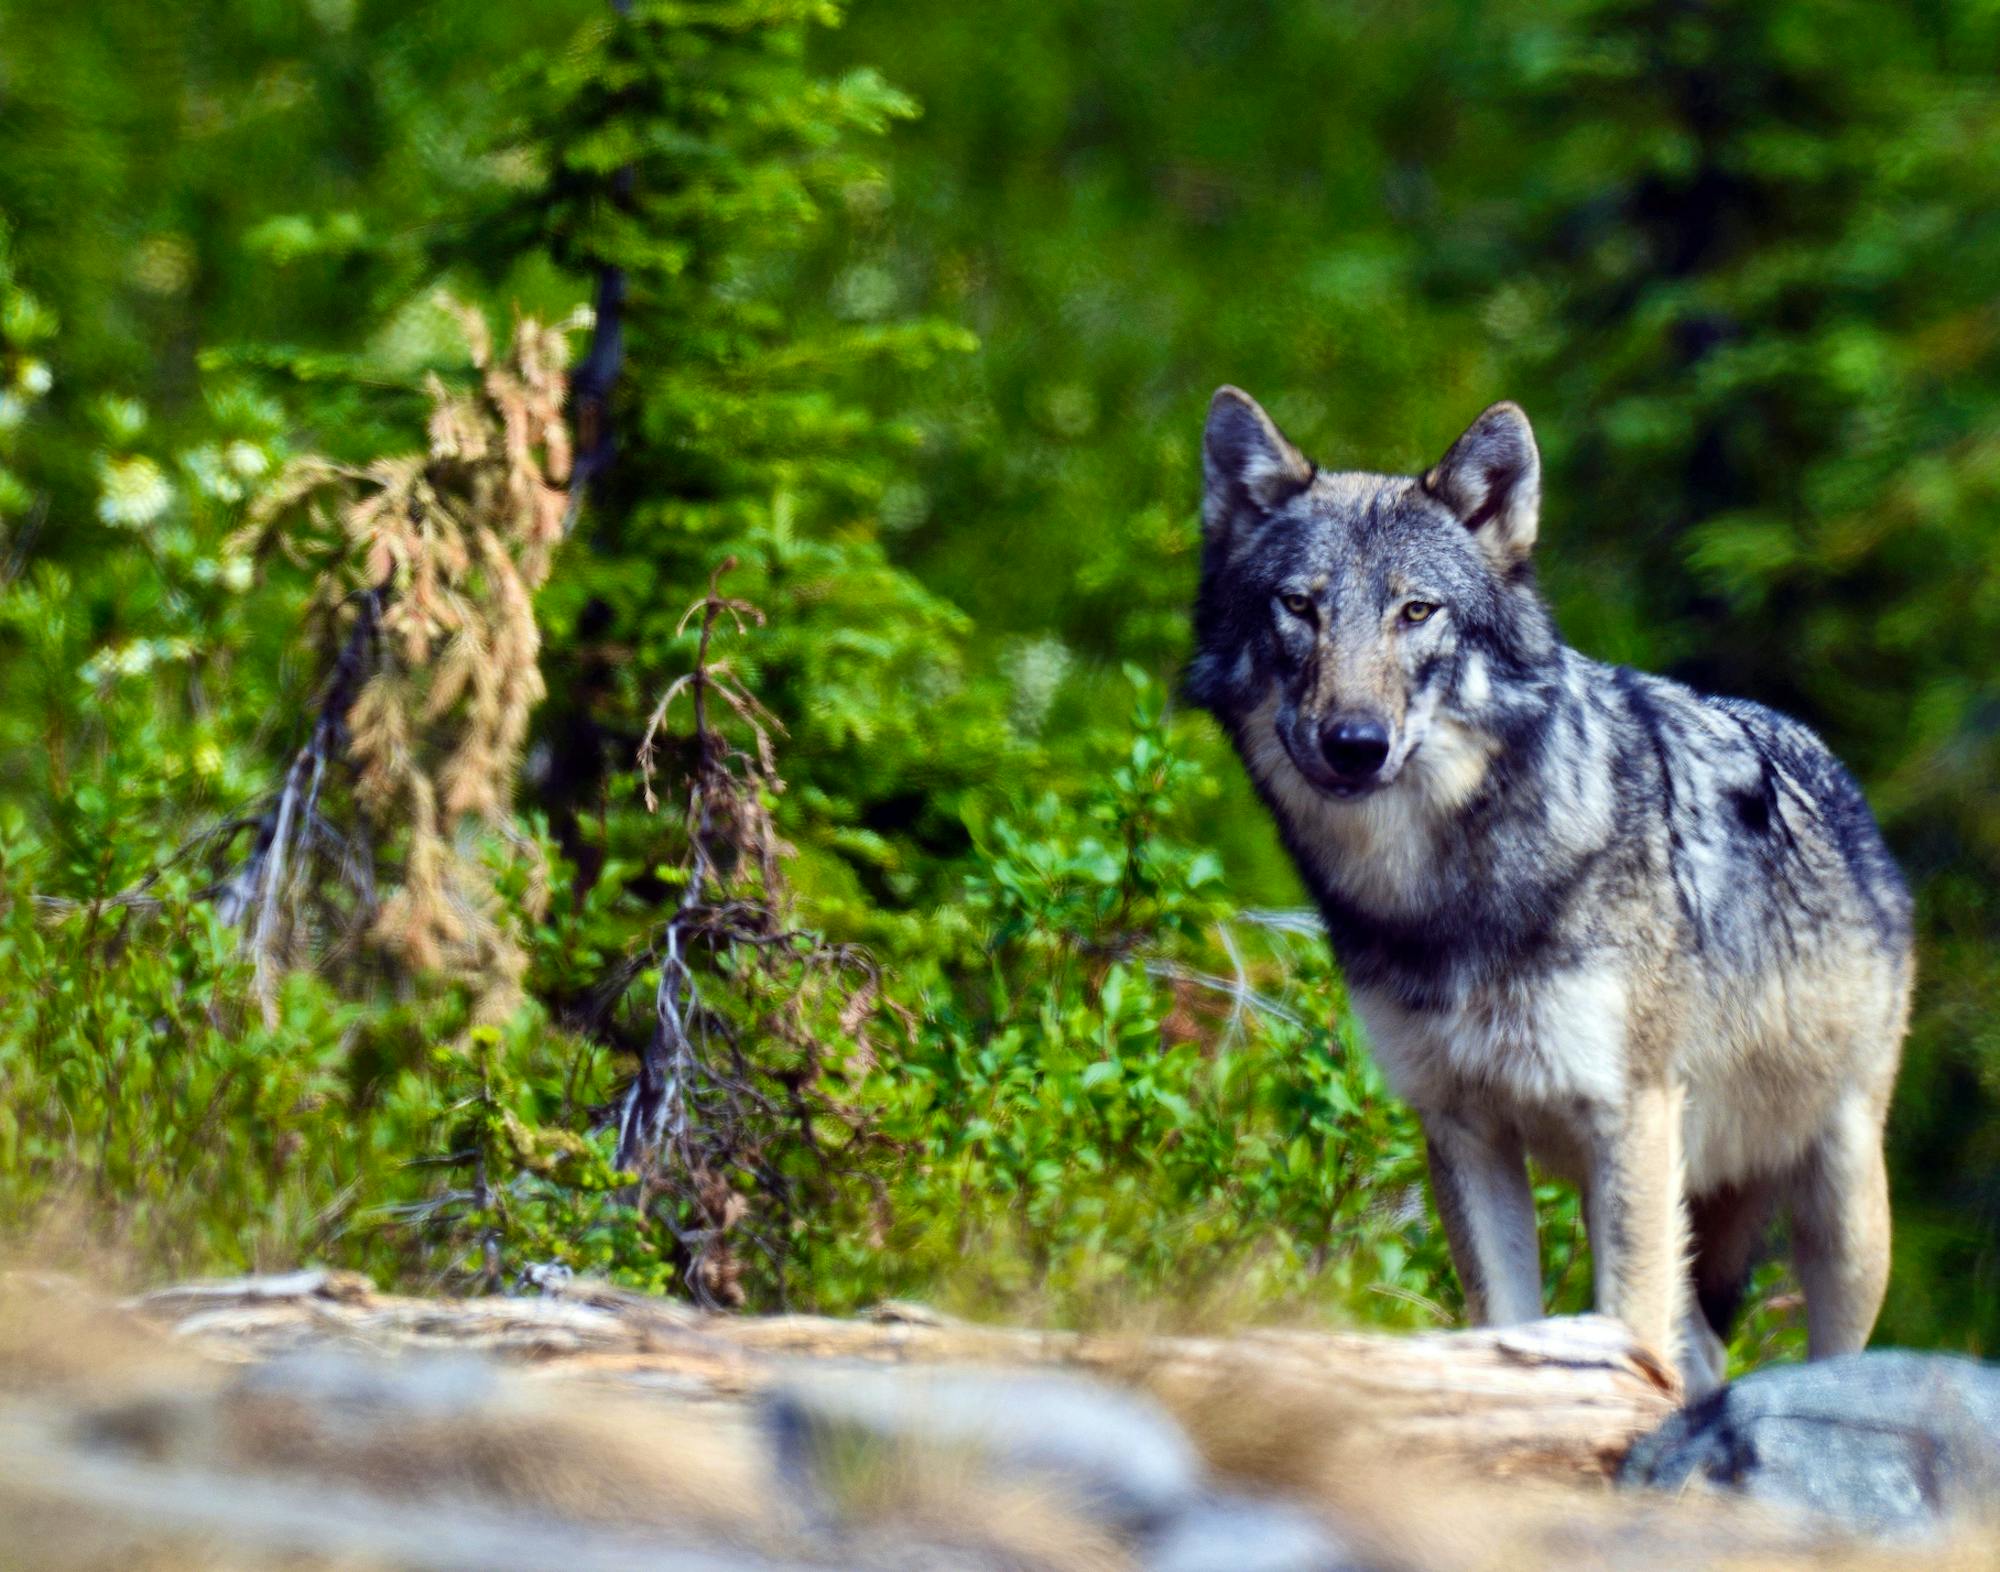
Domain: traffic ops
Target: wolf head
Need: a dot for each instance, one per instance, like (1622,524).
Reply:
(1353,629)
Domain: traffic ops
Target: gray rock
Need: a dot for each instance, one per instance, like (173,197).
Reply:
(1241,1534)
(350,1398)
(1881,1441)
(1119,1453)
(340,1384)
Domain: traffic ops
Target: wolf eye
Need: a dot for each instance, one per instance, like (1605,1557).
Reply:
(1419,611)
(1297,605)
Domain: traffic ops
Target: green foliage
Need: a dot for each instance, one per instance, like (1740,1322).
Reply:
(524,1186)
(1099,1123)
(139,1083)
(691,149)
(1736,261)
(1733,259)
(24,378)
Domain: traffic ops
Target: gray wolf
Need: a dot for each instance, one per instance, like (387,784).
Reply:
(1650,938)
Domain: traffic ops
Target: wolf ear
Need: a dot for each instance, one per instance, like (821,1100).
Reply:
(1492,479)
(1246,462)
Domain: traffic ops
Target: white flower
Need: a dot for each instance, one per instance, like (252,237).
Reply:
(132,492)
(865,293)
(905,505)
(235,574)
(211,479)
(34,378)
(1037,668)
(134,659)
(247,459)
(13,410)
(122,418)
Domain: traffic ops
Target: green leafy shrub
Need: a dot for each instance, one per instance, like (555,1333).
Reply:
(143,1091)
(1093,1119)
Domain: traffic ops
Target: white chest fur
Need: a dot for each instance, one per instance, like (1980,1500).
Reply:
(1549,1041)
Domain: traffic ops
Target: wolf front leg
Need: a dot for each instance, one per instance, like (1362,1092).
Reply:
(1636,1218)
(1479,1181)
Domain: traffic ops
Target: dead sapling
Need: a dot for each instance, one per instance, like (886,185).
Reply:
(429,566)
(744,1109)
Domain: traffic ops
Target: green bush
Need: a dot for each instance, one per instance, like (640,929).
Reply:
(1097,1120)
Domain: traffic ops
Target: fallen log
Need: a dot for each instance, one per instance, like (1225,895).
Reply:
(1561,1398)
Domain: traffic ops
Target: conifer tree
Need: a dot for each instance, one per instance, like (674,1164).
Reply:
(713,188)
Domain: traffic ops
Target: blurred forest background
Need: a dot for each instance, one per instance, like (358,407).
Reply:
(951,955)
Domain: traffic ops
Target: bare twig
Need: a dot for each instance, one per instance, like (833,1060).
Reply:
(1299,922)
(1240,994)
(253,897)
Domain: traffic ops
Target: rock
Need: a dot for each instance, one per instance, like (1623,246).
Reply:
(1118,1453)
(1240,1534)
(1115,1454)
(340,1396)
(1880,1441)
(339,1384)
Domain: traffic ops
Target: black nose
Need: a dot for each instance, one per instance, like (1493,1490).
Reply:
(1354,746)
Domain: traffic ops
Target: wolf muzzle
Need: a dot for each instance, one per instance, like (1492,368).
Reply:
(1354,747)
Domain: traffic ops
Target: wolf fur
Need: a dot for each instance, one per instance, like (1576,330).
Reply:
(1650,938)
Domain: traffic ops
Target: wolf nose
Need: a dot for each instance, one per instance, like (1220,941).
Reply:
(1354,746)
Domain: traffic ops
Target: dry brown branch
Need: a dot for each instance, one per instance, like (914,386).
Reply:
(433,561)
(732,1091)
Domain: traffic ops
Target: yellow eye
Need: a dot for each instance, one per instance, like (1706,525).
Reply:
(1419,611)
(1297,605)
